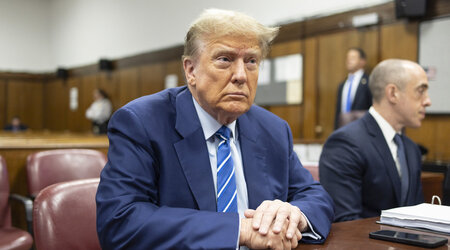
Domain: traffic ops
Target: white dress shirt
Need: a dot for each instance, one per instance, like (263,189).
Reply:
(354,84)
(99,111)
(388,133)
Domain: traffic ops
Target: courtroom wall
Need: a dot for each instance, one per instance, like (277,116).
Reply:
(322,42)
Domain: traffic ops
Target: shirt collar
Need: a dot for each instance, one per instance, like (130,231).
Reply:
(211,125)
(358,73)
(386,128)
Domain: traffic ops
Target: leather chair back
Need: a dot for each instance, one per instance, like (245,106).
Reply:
(346,118)
(64,216)
(10,237)
(52,166)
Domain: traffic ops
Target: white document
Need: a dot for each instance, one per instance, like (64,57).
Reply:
(425,216)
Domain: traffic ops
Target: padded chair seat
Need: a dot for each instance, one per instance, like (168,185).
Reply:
(15,239)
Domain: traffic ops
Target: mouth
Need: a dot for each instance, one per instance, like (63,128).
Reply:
(236,95)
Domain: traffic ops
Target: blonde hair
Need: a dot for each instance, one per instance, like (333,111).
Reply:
(215,24)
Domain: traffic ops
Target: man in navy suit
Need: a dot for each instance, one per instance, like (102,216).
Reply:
(353,93)
(160,187)
(368,165)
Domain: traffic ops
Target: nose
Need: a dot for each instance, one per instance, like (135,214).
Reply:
(427,101)
(239,72)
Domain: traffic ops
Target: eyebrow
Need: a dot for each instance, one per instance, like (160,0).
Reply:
(423,85)
(222,49)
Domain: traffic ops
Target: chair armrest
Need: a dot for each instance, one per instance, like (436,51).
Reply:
(28,205)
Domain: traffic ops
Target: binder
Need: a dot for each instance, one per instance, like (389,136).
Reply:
(424,216)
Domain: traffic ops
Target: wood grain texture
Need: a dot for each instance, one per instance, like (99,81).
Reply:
(151,78)
(310,90)
(434,134)
(293,114)
(399,40)
(3,118)
(25,99)
(56,105)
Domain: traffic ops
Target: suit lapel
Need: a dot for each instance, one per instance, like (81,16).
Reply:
(253,159)
(379,142)
(192,153)
(359,94)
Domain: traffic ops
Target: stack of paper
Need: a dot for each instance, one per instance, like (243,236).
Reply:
(424,216)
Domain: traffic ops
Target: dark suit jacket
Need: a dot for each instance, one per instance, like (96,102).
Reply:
(362,100)
(10,127)
(357,169)
(157,190)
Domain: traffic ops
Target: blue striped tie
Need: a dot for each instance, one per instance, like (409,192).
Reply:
(226,183)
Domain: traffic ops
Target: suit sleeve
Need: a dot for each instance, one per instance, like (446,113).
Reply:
(340,172)
(128,213)
(309,196)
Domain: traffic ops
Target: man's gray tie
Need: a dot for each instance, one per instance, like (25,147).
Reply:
(403,167)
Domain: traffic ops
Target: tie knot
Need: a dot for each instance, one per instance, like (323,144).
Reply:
(224,133)
(350,77)
(398,139)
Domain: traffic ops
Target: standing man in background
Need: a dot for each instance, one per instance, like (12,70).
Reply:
(353,93)
(99,112)
(200,166)
(369,165)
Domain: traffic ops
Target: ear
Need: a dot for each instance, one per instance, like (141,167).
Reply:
(391,93)
(189,66)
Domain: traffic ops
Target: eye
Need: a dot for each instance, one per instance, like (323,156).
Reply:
(224,59)
(421,90)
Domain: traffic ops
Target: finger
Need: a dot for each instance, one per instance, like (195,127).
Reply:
(294,219)
(287,244)
(298,234)
(249,213)
(294,241)
(281,217)
(257,216)
(268,217)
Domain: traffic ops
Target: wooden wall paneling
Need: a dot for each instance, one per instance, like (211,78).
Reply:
(368,40)
(128,85)
(293,114)
(73,116)
(176,67)
(107,81)
(86,97)
(3,118)
(399,40)
(331,71)
(310,90)
(442,139)
(56,105)
(434,135)
(25,99)
(151,78)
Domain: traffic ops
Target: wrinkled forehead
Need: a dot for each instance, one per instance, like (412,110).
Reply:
(235,41)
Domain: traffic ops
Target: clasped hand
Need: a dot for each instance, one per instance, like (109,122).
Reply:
(273,225)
